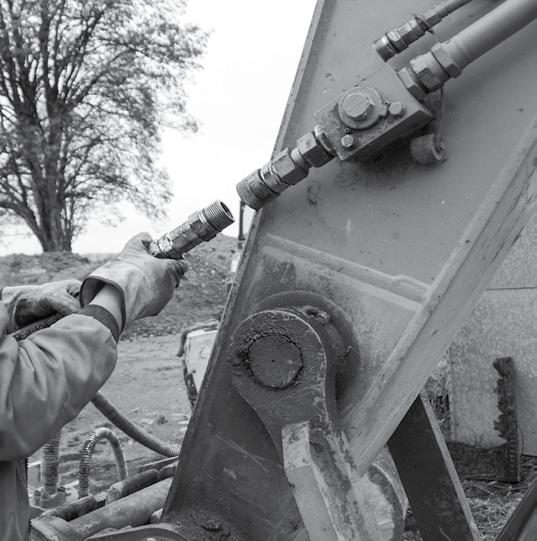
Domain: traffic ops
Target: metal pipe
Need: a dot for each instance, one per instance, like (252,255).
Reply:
(131,429)
(202,226)
(131,484)
(399,38)
(130,511)
(72,510)
(491,30)
(446,60)
(86,454)
(133,510)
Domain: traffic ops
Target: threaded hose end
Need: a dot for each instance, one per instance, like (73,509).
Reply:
(218,215)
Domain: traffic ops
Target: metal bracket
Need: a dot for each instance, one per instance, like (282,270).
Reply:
(283,363)
(429,477)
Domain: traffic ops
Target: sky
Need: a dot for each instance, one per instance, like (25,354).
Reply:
(238,98)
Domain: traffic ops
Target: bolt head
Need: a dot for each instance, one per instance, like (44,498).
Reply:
(357,105)
(347,141)
(397,109)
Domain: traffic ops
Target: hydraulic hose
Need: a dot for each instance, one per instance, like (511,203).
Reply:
(87,452)
(131,429)
(50,459)
(104,405)
(491,30)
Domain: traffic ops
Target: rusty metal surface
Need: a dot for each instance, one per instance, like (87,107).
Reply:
(503,324)
(500,462)
(431,483)
(372,239)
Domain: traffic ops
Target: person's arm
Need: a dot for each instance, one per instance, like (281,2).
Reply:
(48,378)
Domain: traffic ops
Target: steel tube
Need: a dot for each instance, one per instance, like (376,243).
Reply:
(133,510)
(131,484)
(399,38)
(446,60)
(491,30)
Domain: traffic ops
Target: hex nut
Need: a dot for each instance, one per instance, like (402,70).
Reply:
(411,31)
(312,152)
(287,169)
(396,40)
(429,71)
(271,179)
(347,141)
(442,56)
(397,109)
(409,79)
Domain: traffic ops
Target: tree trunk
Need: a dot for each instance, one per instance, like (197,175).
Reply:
(52,236)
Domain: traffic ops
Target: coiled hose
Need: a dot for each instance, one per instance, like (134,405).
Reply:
(121,421)
(87,452)
(50,460)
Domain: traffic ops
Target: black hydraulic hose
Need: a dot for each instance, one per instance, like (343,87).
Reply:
(100,401)
(87,453)
(131,429)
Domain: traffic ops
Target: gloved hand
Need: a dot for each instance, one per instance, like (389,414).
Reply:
(145,283)
(30,303)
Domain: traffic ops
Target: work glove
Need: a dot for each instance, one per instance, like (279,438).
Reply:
(30,303)
(146,283)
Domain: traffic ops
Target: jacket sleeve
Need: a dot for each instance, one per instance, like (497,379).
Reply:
(48,378)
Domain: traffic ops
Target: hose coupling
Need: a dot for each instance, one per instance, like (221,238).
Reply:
(201,226)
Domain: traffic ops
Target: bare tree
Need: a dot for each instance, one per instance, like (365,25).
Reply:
(83,88)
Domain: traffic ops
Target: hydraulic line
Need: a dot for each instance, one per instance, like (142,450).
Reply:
(131,429)
(87,452)
(401,37)
(491,30)
(50,460)
(429,72)
(104,405)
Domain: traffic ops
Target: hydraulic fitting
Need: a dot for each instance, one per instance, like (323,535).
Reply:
(429,72)
(202,226)
(401,37)
(286,169)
